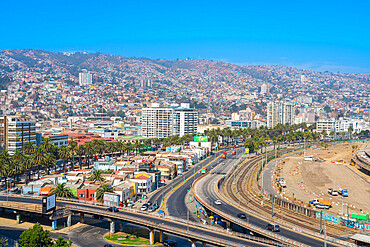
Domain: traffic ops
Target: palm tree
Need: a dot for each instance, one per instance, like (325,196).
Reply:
(96,176)
(64,154)
(80,151)
(29,148)
(37,159)
(101,190)
(89,151)
(49,162)
(72,147)
(61,191)
(46,145)
(18,160)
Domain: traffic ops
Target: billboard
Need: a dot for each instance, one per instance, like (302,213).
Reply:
(48,203)
(201,138)
(111,199)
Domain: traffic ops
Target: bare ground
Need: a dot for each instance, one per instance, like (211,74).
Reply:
(309,180)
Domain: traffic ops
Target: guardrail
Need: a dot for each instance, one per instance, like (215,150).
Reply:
(138,220)
(162,226)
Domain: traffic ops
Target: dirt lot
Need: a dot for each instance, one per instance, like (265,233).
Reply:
(308,180)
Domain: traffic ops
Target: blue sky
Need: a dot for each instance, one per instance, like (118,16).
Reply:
(319,35)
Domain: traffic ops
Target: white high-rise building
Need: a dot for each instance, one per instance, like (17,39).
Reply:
(162,122)
(280,112)
(85,78)
(263,88)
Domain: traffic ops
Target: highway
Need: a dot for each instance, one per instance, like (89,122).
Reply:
(158,196)
(205,189)
(176,205)
(168,225)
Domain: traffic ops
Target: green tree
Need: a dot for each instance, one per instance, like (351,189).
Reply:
(61,191)
(101,190)
(64,154)
(72,145)
(61,242)
(35,236)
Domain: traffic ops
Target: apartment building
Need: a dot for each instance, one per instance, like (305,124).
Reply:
(16,132)
(341,125)
(85,78)
(280,112)
(162,122)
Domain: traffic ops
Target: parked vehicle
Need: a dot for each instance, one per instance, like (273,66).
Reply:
(155,206)
(320,201)
(242,215)
(332,192)
(282,182)
(343,192)
(169,243)
(322,206)
(273,227)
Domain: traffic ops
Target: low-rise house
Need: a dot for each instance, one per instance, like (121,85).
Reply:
(143,183)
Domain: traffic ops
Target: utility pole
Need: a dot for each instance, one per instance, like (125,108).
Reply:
(324,233)
(320,222)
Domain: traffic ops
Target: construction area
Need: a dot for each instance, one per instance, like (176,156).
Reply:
(310,178)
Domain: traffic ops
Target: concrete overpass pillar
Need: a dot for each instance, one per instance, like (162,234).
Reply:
(112,226)
(54,224)
(121,225)
(82,218)
(204,244)
(69,220)
(18,218)
(161,236)
(151,236)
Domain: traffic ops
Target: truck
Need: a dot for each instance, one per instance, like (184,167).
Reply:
(320,201)
(281,181)
(224,156)
(343,192)
(332,192)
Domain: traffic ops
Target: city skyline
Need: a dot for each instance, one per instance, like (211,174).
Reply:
(325,36)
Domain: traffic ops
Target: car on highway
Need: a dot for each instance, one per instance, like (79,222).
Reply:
(149,203)
(169,242)
(218,202)
(144,207)
(130,204)
(273,227)
(242,216)
(155,206)
(151,209)
(113,209)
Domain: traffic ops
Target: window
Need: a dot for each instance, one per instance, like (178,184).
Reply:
(81,195)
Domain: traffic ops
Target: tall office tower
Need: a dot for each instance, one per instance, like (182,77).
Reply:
(161,122)
(16,132)
(85,78)
(247,114)
(263,88)
(280,112)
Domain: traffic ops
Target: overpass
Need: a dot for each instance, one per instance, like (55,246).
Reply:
(155,223)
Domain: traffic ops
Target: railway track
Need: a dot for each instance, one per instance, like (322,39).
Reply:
(242,183)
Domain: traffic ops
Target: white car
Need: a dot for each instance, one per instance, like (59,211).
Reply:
(218,202)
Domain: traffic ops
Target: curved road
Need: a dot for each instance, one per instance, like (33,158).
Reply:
(205,189)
